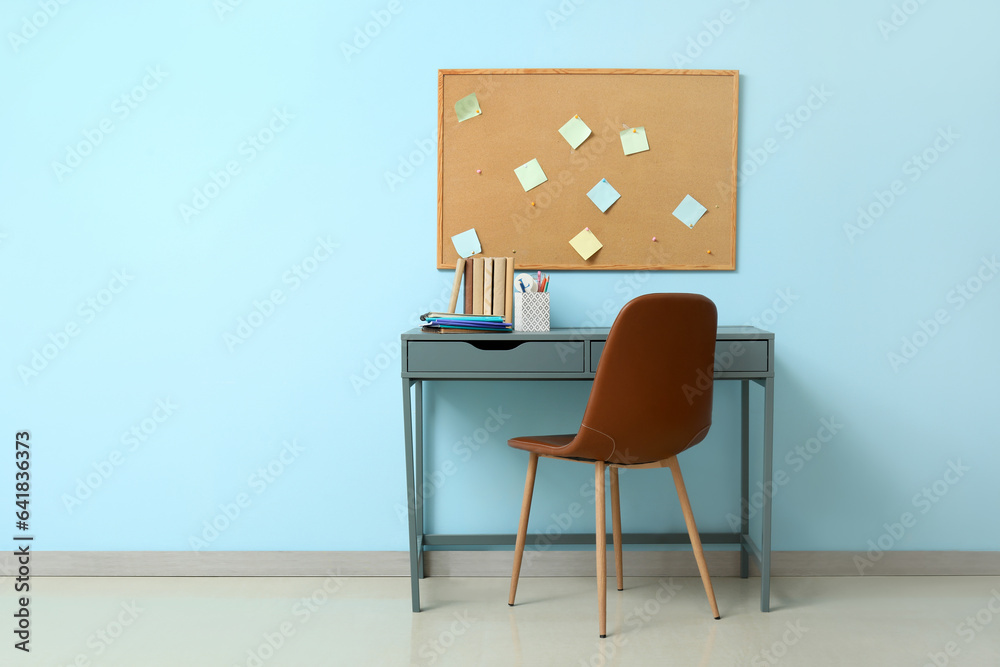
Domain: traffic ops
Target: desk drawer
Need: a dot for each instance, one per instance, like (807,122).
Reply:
(494,356)
(731,356)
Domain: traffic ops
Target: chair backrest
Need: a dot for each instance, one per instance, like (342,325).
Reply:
(652,393)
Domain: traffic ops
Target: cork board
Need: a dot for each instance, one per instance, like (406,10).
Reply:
(690,120)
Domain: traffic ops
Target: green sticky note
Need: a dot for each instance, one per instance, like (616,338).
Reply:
(467,107)
(531,175)
(575,131)
(634,140)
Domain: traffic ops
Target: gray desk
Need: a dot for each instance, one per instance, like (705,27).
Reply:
(741,353)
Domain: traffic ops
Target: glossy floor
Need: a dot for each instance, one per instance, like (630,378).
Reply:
(258,622)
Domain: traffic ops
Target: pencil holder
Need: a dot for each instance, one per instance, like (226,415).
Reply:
(531,311)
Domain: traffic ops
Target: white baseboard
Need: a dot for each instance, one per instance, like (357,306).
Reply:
(489,563)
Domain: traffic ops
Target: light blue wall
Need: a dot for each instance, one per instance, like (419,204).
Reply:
(321,371)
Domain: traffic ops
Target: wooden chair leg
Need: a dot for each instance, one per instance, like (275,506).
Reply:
(522,528)
(699,553)
(602,550)
(616,527)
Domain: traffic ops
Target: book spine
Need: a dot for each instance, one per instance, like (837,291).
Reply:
(508,308)
(477,286)
(468,286)
(488,286)
(456,285)
(499,282)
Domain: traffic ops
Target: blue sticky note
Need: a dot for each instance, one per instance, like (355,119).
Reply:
(603,195)
(467,243)
(689,211)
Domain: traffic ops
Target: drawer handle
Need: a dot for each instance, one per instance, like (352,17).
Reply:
(495,344)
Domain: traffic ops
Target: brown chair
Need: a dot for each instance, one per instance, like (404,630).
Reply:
(649,402)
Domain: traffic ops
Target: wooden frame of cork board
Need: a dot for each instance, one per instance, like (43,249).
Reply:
(690,118)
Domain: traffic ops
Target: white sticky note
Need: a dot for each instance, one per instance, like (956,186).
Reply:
(530,174)
(467,243)
(689,211)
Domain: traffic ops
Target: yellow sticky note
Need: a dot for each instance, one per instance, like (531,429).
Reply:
(586,244)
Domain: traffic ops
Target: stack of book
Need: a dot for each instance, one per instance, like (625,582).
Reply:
(489,298)
(451,323)
(489,287)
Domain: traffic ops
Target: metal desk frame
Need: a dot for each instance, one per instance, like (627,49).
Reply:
(742,353)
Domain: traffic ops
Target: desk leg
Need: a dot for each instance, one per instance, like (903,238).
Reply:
(418,477)
(765,547)
(744,476)
(411,504)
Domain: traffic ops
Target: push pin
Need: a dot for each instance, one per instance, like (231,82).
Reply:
(708,252)
(633,130)
(479,171)
(478,111)
(654,239)
(587,228)
(576,116)
(532,203)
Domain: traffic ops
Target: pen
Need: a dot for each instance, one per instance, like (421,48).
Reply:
(521,283)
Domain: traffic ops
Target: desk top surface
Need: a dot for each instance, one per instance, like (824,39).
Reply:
(592,333)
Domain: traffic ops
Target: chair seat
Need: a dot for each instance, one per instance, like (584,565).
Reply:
(543,445)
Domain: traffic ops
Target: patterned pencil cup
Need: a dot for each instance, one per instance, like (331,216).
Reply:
(531,311)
